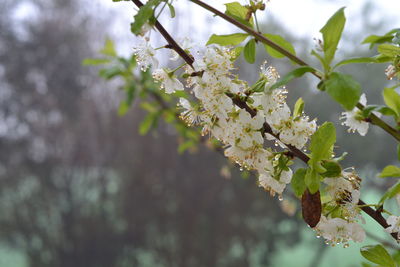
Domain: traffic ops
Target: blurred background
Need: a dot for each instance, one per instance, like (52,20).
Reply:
(80,187)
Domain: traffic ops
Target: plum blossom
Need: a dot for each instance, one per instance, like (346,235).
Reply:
(337,230)
(145,55)
(168,81)
(354,119)
(394,224)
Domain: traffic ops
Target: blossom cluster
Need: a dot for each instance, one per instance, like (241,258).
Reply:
(338,223)
(245,130)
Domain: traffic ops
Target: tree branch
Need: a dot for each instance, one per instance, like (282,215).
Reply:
(374,214)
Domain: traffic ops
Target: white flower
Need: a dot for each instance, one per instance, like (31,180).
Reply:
(354,120)
(270,74)
(394,224)
(168,81)
(247,130)
(337,230)
(256,159)
(145,55)
(190,115)
(185,44)
(390,72)
(275,184)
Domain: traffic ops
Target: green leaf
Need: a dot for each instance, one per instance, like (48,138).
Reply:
(279,40)
(186,145)
(392,100)
(110,73)
(291,75)
(143,15)
(229,39)
(298,183)
(344,89)
(378,254)
(379,39)
(148,123)
(94,61)
(389,50)
(398,152)
(123,108)
(391,192)
(390,171)
(171,10)
(322,142)
(331,33)
(387,111)
(312,180)
(109,48)
(249,51)
(238,12)
(298,107)
(360,60)
(333,169)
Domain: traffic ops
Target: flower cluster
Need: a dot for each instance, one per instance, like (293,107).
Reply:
(244,129)
(341,213)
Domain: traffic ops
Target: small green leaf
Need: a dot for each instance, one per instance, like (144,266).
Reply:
(249,51)
(279,40)
(110,73)
(123,108)
(238,12)
(171,10)
(379,39)
(322,142)
(344,89)
(186,145)
(109,48)
(391,192)
(390,171)
(331,33)
(333,169)
(143,15)
(291,75)
(378,254)
(389,50)
(398,152)
(360,60)
(312,180)
(94,61)
(149,122)
(392,100)
(387,111)
(298,183)
(298,107)
(229,39)
(368,110)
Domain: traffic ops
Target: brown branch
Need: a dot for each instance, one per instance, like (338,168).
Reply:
(374,214)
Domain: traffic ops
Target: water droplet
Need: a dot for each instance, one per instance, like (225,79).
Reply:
(280,197)
(346,245)
(318,236)
(241,169)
